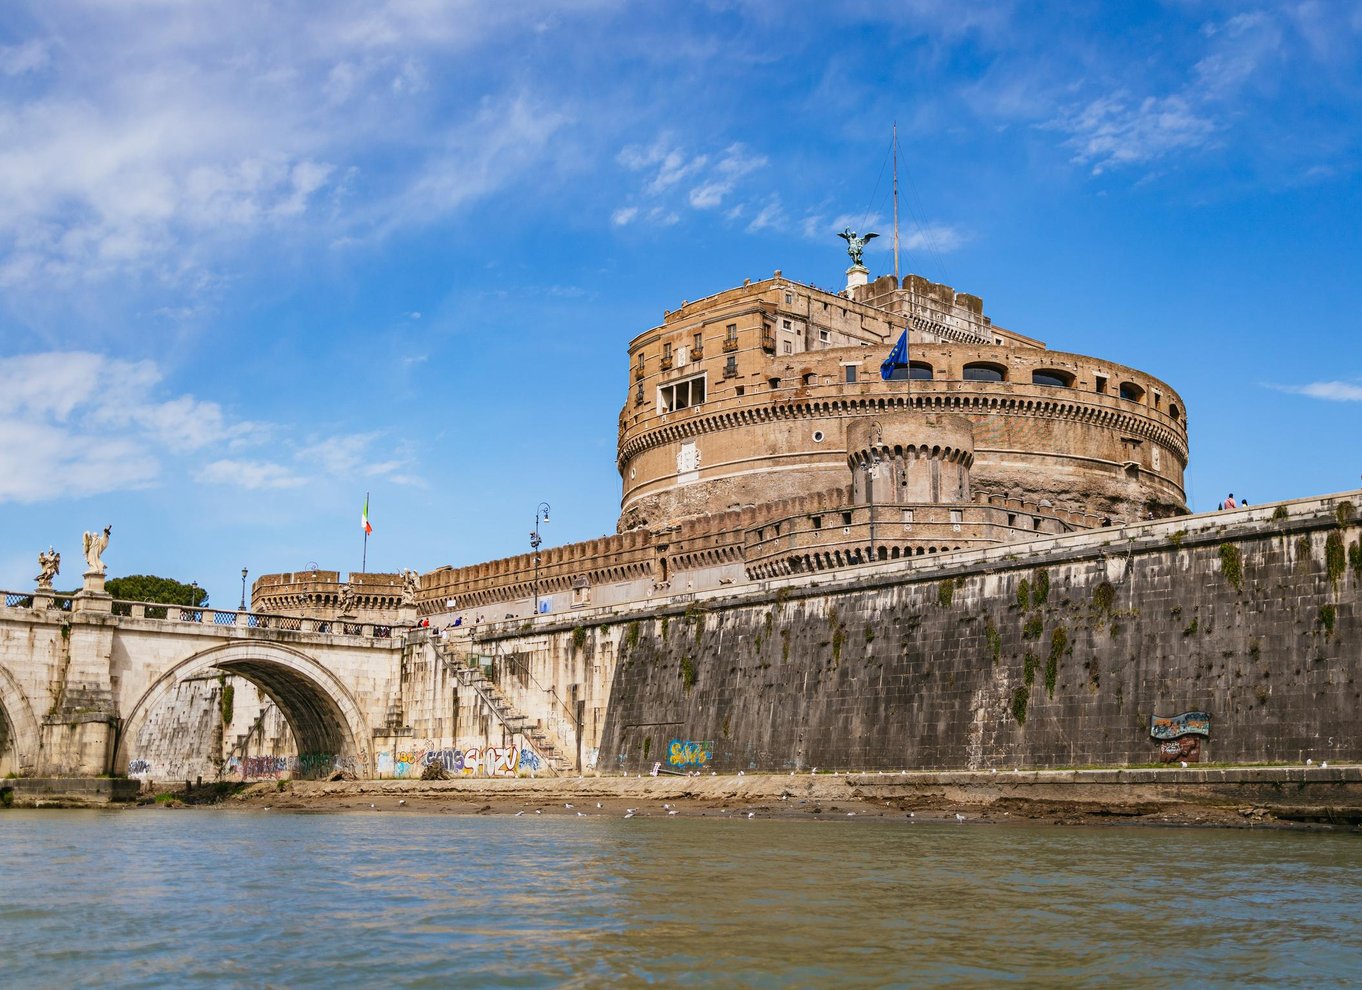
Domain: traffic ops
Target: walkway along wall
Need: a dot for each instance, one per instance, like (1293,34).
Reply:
(1054,653)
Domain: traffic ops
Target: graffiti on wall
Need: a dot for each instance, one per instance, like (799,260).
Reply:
(489,761)
(689,754)
(1179,736)
(138,768)
(1186,724)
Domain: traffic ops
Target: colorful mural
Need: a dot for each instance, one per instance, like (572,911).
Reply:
(1188,723)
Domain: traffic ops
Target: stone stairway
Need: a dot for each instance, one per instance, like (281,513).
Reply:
(515,721)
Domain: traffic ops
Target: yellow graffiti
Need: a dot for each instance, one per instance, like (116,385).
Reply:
(687,753)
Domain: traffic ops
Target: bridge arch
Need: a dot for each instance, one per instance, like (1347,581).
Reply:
(19,735)
(321,712)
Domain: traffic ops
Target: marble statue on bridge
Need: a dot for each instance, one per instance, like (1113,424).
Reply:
(94,547)
(49,565)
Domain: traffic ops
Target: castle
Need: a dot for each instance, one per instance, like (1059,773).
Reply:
(758,439)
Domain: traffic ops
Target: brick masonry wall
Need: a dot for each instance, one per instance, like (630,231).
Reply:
(1056,656)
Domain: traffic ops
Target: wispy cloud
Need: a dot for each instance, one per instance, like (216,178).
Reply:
(710,178)
(1332,391)
(80,424)
(1116,130)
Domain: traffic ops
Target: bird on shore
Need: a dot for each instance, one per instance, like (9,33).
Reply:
(519,813)
(671,812)
(568,807)
(629,814)
(751,814)
(598,804)
(959,817)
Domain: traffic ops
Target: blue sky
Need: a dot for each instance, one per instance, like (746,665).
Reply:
(257,259)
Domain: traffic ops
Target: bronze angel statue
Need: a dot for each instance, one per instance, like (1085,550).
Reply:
(856,244)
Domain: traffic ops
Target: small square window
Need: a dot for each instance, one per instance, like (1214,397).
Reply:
(851,374)
(789,299)
(824,336)
(740,390)
(785,324)
(846,518)
(817,522)
(789,347)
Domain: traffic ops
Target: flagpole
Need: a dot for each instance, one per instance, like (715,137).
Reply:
(896,202)
(364,561)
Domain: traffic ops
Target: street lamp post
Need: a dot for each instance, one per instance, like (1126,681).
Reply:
(541,513)
(242,606)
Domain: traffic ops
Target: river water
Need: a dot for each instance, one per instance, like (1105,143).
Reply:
(227,899)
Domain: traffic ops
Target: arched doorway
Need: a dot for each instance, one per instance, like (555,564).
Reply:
(327,726)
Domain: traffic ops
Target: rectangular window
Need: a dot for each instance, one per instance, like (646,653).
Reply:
(817,522)
(789,347)
(638,395)
(785,324)
(696,346)
(740,390)
(957,517)
(732,332)
(851,374)
(908,517)
(1012,519)
(731,368)
(1035,523)
(824,336)
(1101,385)
(666,350)
(789,299)
(681,395)
(846,518)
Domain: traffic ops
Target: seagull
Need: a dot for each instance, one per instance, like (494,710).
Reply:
(671,812)
(1309,763)
(371,805)
(629,815)
(568,806)
(959,817)
(1324,763)
(403,801)
(740,773)
(666,806)
(598,804)
(580,815)
(537,811)
(631,810)
(851,814)
(751,814)
(1184,764)
(519,813)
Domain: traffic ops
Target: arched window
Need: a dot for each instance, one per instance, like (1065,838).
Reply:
(983,371)
(1132,392)
(1174,411)
(919,371)
(1055,379)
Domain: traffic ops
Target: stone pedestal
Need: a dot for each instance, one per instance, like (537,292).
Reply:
(92,597)
(857,276)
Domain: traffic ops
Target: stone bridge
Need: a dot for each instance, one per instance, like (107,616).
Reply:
(81,675)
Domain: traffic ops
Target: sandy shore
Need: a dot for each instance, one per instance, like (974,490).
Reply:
(1232,798)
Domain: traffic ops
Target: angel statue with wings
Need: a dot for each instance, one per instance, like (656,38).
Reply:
(856,244)
(94,546)
(49,563)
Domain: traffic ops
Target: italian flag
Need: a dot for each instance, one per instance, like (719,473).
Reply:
(364,518)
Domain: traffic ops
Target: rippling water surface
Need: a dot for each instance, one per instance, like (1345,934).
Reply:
(218,899)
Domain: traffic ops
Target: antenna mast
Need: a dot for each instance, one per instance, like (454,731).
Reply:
(896,202)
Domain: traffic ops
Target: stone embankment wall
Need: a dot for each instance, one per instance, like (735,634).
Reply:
(1054,653)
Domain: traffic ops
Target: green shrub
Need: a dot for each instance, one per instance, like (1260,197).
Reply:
(1033,627)
(1040,588)
(1335,559)
(1279,513)
(1029,664)
(1344,512)
(1024,594)
(1355,558)
(945,593)
(1328,615)
(688,675)
(1104,597)
(1019,699)
(1059,642)
(1232,565)
(995,641)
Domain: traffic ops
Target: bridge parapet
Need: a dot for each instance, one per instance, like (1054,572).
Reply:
(59,607)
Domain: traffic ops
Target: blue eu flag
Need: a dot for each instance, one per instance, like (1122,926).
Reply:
(898,358)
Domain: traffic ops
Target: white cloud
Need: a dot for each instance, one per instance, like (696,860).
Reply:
(1333,391)
(251,475)
(624,216)
(715,175)
(1115,130)
(79,424)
